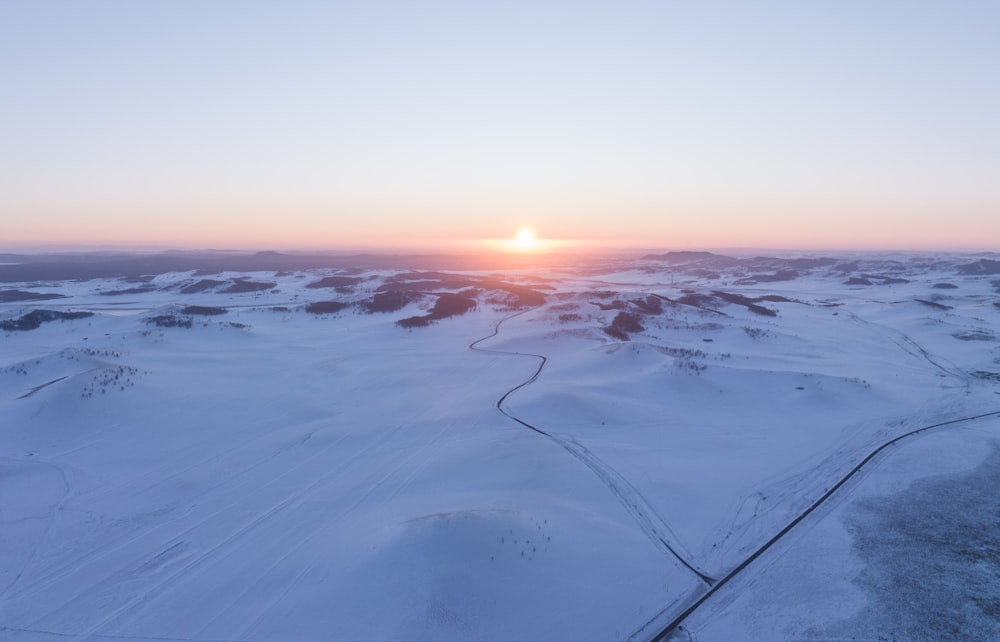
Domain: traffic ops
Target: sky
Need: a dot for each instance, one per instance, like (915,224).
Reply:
(300,124)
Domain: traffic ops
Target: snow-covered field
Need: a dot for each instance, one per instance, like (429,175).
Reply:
(217,457)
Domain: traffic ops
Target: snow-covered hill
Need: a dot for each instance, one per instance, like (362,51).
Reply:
(319,453)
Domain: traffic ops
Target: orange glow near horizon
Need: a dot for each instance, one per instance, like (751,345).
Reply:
(526,241)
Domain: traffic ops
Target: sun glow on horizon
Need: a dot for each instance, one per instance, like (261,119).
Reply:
(526,241)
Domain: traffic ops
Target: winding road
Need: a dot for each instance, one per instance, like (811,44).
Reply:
(653,526)
(675,624)
(631,499)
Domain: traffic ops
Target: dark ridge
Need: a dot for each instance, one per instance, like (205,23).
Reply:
(982,266)
(857,280)
(687,256)
(334,282)
(615,333)
(241,286)
(203,310)
(649,305)
(617,304)
(32,320)
(933,304)
(201,286)
(326,307)
(90,265)
(391,301)
(739,299)
(846,268)
(14,296)
(127,291)
(448,305)
(521,296)
(780,275)
(974,336)
(885,280)
(808,264)
(697,300)
(627,322)
(944,286)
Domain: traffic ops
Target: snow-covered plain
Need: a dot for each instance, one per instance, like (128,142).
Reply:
(209,457)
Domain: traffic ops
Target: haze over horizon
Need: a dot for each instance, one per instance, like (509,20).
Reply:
(445,124)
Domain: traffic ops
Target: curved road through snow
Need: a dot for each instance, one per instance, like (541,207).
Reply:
(641,511)
(665,633)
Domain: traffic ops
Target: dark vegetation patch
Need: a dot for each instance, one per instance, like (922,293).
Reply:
(447,305)
(564,307)
(933,304)
(142,289)
(14,296)
(881,279)
(170,321)
(748,303)
(944,286)
(417,281)
(617,304)
(201,286)
(326,307)
(32,320)
(648,305)
(569,317)
(335,281)
(974,336)
(857,280)
(987,375)
(694,300)
(624,323)
(516,296)
(390,301)
(932,558)
(279,308)
(519,296)
(241,286)
(627,322)
(697,300)
(682,353)
(203,310)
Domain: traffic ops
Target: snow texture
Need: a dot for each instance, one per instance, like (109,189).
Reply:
(576,454)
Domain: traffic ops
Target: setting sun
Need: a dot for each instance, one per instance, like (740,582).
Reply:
(526,239)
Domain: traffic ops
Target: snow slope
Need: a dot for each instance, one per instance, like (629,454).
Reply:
(258,471)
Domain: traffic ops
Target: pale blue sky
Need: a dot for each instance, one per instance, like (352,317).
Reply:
(781,124)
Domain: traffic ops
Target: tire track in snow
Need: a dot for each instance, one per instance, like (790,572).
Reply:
(652,525)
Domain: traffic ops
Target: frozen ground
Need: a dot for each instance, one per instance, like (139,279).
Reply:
(240,456)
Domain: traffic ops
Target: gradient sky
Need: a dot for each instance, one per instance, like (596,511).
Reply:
(839,124)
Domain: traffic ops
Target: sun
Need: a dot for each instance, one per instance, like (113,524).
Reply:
(526,239)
